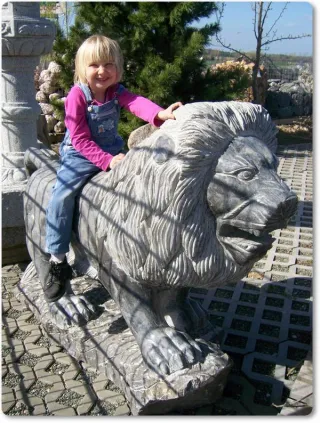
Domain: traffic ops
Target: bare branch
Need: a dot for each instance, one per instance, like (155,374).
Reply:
(219,12)
(266,12)
(233,49)
(254,8)
(289,37)
(260,32)
(279,17)
(219,15)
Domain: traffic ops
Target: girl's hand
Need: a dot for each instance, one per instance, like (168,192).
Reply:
(116,160)
(168,113)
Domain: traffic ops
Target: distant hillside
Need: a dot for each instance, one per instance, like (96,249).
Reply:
(213,56)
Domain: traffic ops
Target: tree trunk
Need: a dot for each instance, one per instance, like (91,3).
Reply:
(255,70)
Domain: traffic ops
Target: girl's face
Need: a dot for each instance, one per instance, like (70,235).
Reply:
(100,76)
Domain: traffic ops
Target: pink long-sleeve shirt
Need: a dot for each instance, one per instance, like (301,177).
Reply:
(80,134)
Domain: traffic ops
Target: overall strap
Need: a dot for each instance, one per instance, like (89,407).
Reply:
(119,90)
(86,91)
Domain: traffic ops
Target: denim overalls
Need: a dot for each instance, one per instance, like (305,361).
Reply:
(75,170)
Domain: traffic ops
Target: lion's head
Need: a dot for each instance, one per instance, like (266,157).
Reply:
(194,203)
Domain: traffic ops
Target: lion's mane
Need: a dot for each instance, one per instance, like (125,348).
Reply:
(157,225)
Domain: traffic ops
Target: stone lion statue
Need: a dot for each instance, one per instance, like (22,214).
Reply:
(192,205)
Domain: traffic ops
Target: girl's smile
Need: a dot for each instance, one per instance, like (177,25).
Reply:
(100,76)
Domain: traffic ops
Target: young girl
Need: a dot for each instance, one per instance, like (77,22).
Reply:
(91,142)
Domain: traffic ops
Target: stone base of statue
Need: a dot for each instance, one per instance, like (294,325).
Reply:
(107,345)
(14,247)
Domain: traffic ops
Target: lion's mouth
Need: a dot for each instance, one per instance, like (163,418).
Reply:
(245,243)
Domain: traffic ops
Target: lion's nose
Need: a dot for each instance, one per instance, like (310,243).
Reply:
(287,208)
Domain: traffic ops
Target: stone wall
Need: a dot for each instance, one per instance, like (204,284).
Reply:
(48,94)
(288,99)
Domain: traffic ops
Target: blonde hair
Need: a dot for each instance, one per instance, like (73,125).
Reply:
(97,48)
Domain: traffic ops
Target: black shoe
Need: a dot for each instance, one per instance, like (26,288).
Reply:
(55,285)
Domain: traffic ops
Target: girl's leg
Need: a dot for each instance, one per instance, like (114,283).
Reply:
(75,170)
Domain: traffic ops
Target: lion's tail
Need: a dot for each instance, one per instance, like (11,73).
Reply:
(35,158)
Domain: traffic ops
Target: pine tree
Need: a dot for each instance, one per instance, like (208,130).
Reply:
(162,50)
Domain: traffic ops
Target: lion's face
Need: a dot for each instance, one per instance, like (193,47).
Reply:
(248,199)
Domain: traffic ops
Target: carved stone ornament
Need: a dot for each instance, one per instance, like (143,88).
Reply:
(6,28)
(25,47)
(192,205)
(13,176)
(24,33)
(36,29)
(28,29)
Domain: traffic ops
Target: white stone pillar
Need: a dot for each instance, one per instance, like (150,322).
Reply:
(25,37)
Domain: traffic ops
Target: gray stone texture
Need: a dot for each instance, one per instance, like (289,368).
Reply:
(140,134)
(279,285)
(25,37)
(47,91)
(180,211)
(288,99)
(107,345)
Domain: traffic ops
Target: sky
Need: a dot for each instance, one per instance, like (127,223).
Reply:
(237,27)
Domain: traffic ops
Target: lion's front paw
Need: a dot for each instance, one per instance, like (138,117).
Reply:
(167,350)
(71,309)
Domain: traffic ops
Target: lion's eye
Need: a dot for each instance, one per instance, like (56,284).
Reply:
(246,175)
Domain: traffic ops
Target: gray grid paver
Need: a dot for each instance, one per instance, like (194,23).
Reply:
(70,375)
(54,349)
(34,349)
(49,379)
(85,406)
(77,386)
(5,306)
(122,410)
(25,373)
(39,410)
(10,326)
(7,404)
(8,397)
(100,385)
(54,393)
(60,409)
(265,324)
(43,365)
(110,396)
(15,354)
(64,358)
(29,400)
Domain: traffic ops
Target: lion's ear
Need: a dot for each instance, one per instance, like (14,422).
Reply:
(164,148)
